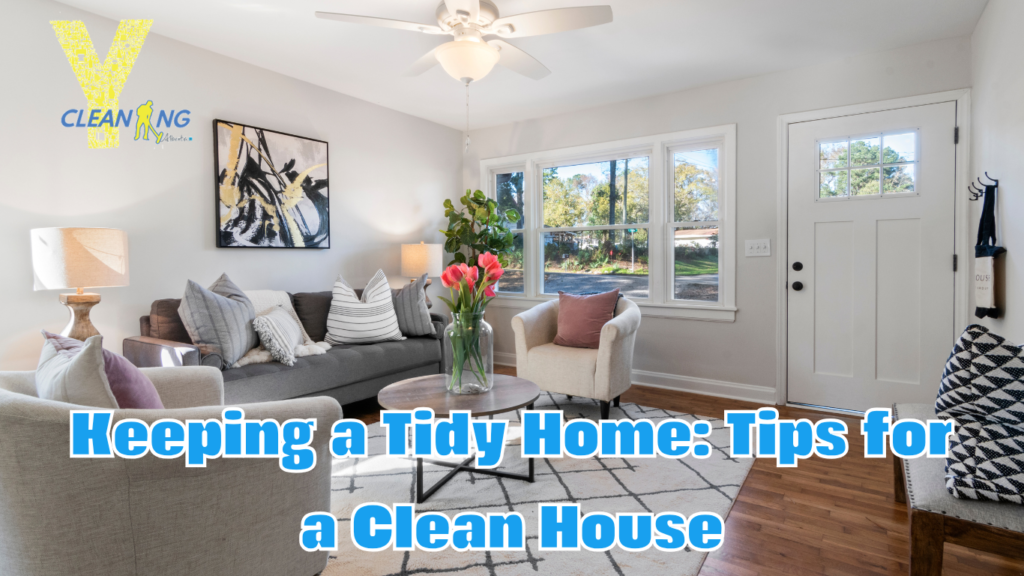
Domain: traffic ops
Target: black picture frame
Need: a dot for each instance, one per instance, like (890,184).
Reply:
(267,229)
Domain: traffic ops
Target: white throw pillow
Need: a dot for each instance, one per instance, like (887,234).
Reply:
(354,320)
(75,378)
(279,333)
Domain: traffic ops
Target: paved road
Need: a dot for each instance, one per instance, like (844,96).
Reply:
(698,287)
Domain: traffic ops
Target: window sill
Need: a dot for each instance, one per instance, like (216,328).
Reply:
(678,311)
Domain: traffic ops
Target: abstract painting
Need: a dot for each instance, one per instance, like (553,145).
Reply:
(271,188)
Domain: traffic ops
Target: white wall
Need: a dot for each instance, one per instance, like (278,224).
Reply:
(390,172)
(742,352)
(997,145)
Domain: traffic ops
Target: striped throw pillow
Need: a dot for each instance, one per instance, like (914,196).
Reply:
(354,320)
(279,334)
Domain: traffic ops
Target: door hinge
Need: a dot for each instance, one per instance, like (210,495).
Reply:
(956,135)
(954,262)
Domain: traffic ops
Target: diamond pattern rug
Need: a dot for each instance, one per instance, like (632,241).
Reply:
(685,485)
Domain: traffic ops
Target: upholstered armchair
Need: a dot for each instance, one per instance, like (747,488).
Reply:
(122,517)
(602,374)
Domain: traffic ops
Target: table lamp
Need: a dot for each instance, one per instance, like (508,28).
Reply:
(420,259)
(79,258)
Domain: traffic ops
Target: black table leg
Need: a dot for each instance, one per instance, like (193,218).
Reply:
(422,496)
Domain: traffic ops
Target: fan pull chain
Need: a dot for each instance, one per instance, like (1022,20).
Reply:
(467,119)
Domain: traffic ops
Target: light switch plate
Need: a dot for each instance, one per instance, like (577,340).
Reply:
(759,248)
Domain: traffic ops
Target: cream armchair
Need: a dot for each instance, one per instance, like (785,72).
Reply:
(121,517)
(602,374)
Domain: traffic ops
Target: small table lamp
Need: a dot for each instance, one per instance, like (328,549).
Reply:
(79,258)
(420,259)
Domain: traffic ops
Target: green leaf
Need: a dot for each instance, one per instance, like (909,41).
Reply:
(459,258)
(479,196)
(511,215)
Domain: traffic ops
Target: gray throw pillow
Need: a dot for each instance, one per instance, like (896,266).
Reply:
(219,320)
(411,308)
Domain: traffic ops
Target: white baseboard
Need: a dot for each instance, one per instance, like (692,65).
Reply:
(720,388)
(706,386)
(504,358)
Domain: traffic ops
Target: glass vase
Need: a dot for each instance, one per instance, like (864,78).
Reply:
(468,354)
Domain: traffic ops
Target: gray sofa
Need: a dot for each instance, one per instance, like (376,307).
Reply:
(347,373)
(151,516)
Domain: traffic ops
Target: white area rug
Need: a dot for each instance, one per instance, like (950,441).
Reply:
(685,485)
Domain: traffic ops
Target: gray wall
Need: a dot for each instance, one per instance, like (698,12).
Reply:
(997,141)
(687,353)
(390,173)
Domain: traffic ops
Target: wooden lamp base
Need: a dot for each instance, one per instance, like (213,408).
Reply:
(79,326)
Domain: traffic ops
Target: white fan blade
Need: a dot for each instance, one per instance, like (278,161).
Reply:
(470,9)
(426,62)
(550,21)
(518,61)
(382,22)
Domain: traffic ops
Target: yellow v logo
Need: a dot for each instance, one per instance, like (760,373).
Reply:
(102,83)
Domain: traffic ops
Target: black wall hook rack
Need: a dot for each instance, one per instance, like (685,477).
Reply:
(978,193)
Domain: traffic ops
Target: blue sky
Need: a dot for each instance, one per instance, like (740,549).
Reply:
(704,158)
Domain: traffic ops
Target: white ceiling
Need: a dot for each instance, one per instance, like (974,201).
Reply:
(652,47)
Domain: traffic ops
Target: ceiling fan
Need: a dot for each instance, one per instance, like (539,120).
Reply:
(479,34)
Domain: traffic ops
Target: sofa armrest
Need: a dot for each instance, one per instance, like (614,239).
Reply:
(439,323)
(615,352)
(532,328)
(187,386)
(146,352)
(249,505)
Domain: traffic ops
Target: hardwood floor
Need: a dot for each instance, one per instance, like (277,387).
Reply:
(835,517)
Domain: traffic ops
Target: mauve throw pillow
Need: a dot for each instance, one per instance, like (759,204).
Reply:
(131,388)
(580,318)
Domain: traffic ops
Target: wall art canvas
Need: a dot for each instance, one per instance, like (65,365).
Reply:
(272,188)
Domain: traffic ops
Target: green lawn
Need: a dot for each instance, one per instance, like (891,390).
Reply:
(694,266)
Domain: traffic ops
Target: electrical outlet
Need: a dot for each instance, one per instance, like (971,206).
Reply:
(759,248)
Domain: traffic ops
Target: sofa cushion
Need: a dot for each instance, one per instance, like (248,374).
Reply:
(312,308)
(926,485)
(342,365)
(165,323)
(566,370)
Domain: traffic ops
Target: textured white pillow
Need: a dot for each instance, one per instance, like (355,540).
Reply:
(279,333)
(75,378)
(365,320)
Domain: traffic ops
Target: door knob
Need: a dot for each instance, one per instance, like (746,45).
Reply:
(798,266)
(798,286)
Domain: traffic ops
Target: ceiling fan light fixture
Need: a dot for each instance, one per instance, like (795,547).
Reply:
(467,61)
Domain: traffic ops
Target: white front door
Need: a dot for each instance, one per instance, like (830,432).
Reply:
(871,311)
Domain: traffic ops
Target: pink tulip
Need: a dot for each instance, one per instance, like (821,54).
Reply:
(489,291)
(486,260)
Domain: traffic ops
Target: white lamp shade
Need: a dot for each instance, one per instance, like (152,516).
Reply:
(467,60)
(420,259)
(79,258)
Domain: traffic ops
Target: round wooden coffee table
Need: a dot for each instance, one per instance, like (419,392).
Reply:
(509,394)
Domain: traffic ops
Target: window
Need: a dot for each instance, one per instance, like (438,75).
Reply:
(650,216)
(511,196)
(694,224)
(874,166)
(596,227)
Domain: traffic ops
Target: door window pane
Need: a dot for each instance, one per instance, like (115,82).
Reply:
(832,155)
(696,185)
(864,182)
(833,184)
(512,280)
(898,179)
(596,261)
(597,193)
(509,187)
(695,273)
(864,152)
(900,148)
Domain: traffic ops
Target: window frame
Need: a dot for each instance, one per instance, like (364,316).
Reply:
(661,227)
(881,166)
